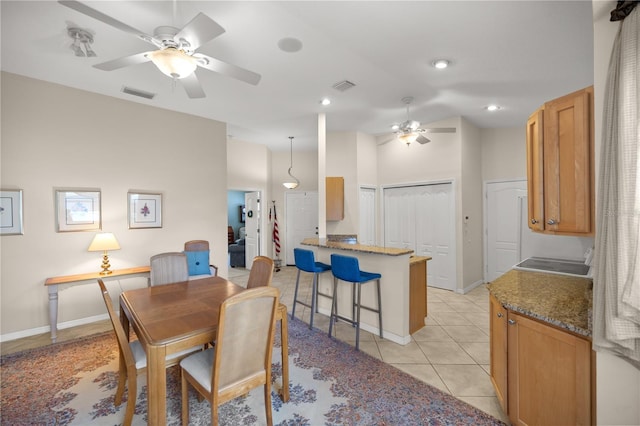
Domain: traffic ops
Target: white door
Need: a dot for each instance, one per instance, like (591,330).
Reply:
(502,226)
(435,233)
(252,227)
(367,234)
(422,218)
(301,220)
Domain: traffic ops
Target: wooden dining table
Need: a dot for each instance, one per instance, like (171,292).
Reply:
(173,317)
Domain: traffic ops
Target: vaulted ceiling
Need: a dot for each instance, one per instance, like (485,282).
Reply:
(516,54)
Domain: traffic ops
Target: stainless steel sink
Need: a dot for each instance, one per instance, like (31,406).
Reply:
(574,268)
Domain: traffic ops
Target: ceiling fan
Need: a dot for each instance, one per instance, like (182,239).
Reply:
(176,54)
(409,131)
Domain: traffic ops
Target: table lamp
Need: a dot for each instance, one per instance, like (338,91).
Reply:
(103,242)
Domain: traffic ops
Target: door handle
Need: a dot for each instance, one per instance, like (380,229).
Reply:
(533,221)
(511,322)
(500,315)
(552,222)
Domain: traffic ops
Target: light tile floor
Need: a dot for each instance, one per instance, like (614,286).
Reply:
(451,352)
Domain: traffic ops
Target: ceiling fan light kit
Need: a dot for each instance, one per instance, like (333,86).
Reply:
(293,182)
(173,62)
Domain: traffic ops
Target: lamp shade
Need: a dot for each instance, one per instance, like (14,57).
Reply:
(408,137)
(173,62)
(103,242)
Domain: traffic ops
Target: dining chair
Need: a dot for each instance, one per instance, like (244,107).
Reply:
(133,358)
(261,275)
(168,268)
(241,358)
(200,246)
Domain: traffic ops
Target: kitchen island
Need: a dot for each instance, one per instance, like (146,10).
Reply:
(403,287)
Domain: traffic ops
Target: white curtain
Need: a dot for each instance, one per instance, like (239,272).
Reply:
(616,290)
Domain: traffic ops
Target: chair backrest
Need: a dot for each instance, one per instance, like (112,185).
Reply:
(346,268)
(121,337)
(261,272)
(246,325)
(304,259)
(196,245)
(168,268)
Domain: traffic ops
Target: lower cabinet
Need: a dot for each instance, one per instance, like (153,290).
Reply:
(417,294)
(548,371)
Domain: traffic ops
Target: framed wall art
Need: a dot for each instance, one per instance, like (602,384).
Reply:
(78,210)
(11,212)
(145,210)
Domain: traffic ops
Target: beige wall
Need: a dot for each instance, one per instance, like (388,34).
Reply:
(58,137)
(618,382)
(342,160)
(504,153)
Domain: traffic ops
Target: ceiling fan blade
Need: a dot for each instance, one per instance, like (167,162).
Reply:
(200,30)
(86,10)
(440,130)
(192,86)
(422,140)
(138,58)
(224,68)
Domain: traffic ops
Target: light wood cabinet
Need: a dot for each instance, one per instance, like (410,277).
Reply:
(335,198)
(417,294)
(498,346)
(542,375)
(560,166)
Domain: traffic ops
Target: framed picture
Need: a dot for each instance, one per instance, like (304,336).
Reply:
(11,212)
(145,210)
(78,210)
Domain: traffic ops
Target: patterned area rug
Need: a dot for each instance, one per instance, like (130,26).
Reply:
(331,384)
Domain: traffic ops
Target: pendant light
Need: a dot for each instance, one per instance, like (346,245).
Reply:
(293,182)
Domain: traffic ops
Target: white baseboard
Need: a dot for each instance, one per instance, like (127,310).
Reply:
(468,288)
(46,329)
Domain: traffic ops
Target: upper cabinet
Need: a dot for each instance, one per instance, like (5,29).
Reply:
(335,198)
(560,166)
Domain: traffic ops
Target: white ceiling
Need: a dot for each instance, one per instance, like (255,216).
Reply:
(514,53)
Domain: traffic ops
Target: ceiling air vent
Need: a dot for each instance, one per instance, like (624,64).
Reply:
(137,92)
(343,85)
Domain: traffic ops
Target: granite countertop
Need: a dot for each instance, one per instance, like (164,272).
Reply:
(389,251)
(560,300)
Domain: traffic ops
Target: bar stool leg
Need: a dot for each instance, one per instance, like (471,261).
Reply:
(379,308)
(359,291)
(353,306)
(314,298)
(295,296)
(334,305)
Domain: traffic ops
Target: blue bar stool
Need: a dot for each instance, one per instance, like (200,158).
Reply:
(306,262)
(347,268)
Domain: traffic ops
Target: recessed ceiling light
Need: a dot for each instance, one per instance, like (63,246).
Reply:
(325,101)
(492,107)
(290,44)
(441,63)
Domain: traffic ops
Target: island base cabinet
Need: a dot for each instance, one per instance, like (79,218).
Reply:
(498,345)
(549,374)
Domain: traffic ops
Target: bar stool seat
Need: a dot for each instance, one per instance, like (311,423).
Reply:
(347,268)
(305,261)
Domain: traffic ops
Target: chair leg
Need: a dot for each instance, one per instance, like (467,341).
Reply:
(267,403)
(284,336)
(185,399)
(314,298)
(379,308)
(122,380)
(357,322)
(334,305)
(295,296)
(214,412)
(131,402)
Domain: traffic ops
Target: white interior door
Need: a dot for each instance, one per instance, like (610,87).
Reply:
(252,227)
(367,234)
(422,218)
(435,233)
(301,220)
(502,222)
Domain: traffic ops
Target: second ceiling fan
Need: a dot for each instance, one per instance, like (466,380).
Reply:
(176,54)
(410,131)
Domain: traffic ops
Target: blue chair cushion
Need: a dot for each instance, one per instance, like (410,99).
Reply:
(305,261)
(347,268)
(198,262)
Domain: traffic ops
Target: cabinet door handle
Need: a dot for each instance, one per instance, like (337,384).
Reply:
(552,222)
(511,322)
(499,314)
(533,221)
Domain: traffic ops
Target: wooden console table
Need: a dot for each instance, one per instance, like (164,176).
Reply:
(52,284)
